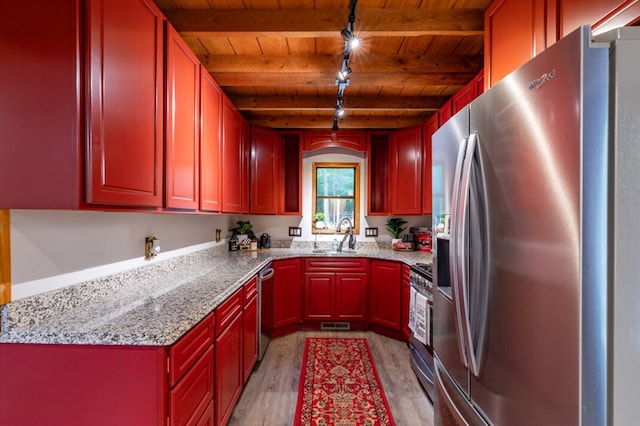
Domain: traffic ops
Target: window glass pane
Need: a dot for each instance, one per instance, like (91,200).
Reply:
(335,182)
(335,209)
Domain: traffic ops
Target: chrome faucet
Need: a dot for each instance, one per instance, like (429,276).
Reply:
(352,238)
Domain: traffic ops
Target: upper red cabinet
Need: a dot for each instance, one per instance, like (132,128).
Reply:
(210,142)
(428,130)
(518,30)
(406,171)
(514,33)
(232,158)
(113,154)
(290,177)
(350,139)
(265,144)
(603,15)
(182,140)
(124,96)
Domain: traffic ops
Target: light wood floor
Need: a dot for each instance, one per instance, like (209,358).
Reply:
(271,393)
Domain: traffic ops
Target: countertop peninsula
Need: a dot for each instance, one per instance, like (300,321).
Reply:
(153,305)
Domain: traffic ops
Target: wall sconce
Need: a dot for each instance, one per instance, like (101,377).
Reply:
(151,247)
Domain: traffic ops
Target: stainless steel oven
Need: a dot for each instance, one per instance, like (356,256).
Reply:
(421,323)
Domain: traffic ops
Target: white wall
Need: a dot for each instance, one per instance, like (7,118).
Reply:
(48,243)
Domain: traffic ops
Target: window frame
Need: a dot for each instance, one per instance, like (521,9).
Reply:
(356,195)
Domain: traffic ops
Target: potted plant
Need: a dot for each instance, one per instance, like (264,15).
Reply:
(319,218)
(395,226)
(242,231)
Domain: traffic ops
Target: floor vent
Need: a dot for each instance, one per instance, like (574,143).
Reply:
(335,326)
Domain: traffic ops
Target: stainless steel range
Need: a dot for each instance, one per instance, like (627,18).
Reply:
(420,322)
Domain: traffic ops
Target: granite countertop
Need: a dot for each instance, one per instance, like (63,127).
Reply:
(152,305)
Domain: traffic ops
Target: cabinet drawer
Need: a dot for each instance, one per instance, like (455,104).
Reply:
(186,351)
(332,264)
(406,272)
(228,310)
(189,400)
(250,289)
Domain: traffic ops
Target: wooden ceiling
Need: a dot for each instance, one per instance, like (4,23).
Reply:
(277,60)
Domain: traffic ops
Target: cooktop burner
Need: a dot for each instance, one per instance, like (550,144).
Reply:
(424,269)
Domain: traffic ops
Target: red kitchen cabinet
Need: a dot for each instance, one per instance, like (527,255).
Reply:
(405,299)
(63,162)
(249,328)
(385,294)
(445,112)
(514,33)
(429,129)
(109,385)
(282,298)
(335,289)
(245,148)
(378,176)
(228,357)
(233,158)
(350,139)
(124,99)
(210,142)
(182,140)
(602,15)
(192,396)
(290,182)
(265,185)
(351,296)
(319,296)
(406,171)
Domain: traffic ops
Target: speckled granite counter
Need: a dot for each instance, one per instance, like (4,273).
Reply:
(151,305)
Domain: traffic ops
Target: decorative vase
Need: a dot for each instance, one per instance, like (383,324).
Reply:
(319,224)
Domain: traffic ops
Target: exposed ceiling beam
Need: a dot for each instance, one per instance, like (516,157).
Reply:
(410,64)
(349,122)
(285,79)
(325,22)
(352,103)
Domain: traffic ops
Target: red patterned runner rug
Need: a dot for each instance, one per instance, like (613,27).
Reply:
(339,385)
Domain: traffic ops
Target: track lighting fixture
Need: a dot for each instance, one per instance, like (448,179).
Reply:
(351,41)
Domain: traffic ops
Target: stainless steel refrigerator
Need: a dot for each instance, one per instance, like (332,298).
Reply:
(536,195)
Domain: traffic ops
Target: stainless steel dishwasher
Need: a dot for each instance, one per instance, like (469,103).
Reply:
(265,280)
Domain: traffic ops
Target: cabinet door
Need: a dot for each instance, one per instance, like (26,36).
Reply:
(290,169)
(514,33)
(603,15)
(264,170)
(228,368)
(210,142)
(250,337)
(245,148)
(429,129)
(406,173)
(125,102)
(287,293)
(378,176)
(232,159)
(189,399)
(351,296)
(182,140)
(319,295)
(385,294)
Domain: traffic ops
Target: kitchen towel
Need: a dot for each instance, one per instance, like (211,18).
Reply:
(412,309)
(422,318)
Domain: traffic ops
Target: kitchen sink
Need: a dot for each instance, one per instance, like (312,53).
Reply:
(329,251)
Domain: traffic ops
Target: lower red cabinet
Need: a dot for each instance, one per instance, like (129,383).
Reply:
(249,328)
(335,289)
(385,294)
(228,357)
(191,397)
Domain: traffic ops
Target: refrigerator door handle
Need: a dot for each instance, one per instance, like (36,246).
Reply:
(454,259)
(462,255)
